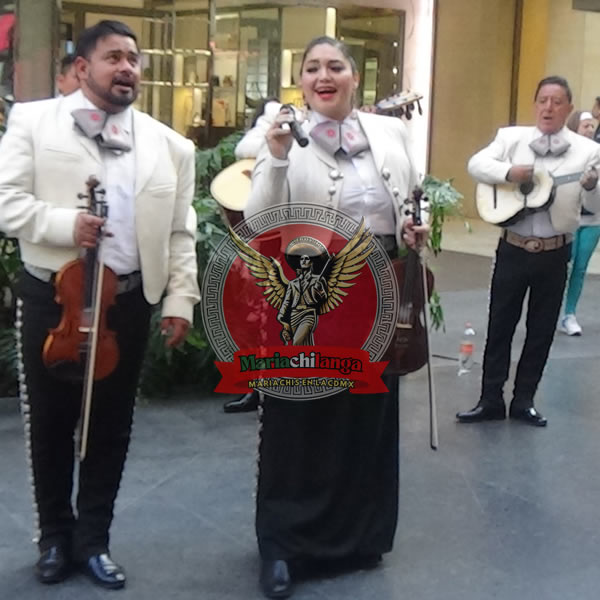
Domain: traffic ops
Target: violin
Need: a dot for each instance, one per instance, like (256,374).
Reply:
(409,349)
(82,347)
(85,289)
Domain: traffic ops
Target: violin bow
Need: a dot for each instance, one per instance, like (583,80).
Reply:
(433,424)
(90,365)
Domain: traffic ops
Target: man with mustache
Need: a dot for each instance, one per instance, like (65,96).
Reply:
(146,172)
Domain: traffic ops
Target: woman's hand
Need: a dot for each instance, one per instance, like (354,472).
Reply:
(279,135)
(414,236)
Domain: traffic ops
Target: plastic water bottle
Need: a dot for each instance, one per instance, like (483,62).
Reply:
(467,345)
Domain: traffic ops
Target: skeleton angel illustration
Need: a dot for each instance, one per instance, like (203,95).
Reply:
(320,283)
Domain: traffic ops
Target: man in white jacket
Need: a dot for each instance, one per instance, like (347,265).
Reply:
(50,150)
(533,252)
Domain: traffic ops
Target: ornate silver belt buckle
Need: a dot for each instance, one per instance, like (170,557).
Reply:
(533,244)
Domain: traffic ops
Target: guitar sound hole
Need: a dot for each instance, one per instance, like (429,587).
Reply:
(526,188)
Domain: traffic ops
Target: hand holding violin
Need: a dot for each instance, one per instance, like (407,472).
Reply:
(414,236)
(86,230)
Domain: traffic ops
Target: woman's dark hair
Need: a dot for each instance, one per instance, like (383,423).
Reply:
(554,80)
(89,37)
(341,46)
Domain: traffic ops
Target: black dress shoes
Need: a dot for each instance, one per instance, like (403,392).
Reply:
(54,565)
(528,415)
(104,572)
(275,579)
(246,403)
(482,413)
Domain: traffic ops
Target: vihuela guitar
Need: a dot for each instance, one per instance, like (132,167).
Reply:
(506,203)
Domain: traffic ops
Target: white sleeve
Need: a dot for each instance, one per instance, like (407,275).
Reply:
(22,215)
(491,164)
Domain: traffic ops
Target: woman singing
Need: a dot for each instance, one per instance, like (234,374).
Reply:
(328,468)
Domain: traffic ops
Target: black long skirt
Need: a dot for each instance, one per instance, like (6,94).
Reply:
(328,476)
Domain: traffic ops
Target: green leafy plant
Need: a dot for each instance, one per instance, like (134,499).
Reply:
(9,267)
(444,201)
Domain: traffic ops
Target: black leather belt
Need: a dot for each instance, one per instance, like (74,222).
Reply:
(129,282)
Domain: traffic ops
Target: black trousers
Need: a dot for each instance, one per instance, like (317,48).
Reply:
(516,272)
(51,410)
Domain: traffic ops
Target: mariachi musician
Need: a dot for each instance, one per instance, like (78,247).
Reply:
(534,249)
(328,479)
(147,172)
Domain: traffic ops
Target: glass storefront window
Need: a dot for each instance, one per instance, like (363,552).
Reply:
(260,44)
(207,86)
(375,37)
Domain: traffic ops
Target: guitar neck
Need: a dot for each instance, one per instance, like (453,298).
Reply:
(562,179)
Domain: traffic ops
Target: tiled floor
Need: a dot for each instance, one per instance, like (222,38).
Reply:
(501,511)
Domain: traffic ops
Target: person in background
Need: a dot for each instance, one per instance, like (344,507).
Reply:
(50,150)
(585,240)
(66,80)
(253,140)
(533,252)
(583,123)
